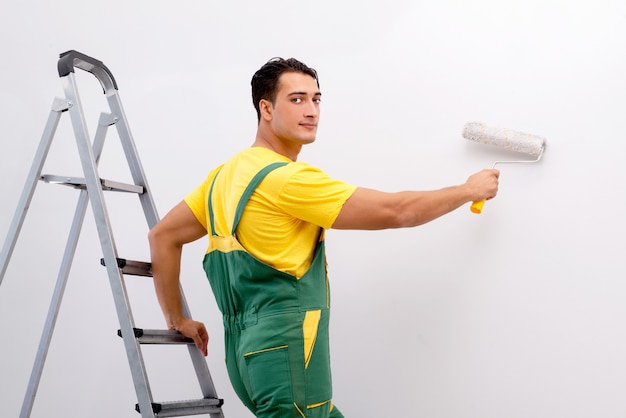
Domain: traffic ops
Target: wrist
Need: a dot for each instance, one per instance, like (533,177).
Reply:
(174,321)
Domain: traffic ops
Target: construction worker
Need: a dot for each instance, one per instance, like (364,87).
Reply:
(265,215)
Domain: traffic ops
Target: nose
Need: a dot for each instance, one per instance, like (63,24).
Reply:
(311,110)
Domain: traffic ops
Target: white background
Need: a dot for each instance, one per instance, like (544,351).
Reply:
(518,312)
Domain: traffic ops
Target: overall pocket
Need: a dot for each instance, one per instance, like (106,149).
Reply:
(269,376)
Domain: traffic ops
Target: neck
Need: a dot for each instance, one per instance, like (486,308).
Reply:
(267,139)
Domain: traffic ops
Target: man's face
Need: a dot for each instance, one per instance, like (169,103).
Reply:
(296,111)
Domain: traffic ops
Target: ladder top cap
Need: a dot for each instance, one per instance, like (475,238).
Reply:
(70,59)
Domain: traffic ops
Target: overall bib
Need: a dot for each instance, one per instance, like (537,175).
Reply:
(276,325)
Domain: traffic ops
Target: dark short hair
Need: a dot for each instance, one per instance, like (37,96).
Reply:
(265,80)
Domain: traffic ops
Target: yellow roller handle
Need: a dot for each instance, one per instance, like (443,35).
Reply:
(477,207)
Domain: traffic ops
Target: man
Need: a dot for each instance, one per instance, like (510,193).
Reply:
(265,214)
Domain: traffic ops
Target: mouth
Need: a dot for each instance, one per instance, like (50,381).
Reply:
(309,125)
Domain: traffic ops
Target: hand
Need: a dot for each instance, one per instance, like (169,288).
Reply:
(194,330)
(484,184)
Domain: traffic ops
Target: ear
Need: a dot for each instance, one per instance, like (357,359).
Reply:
(266,109)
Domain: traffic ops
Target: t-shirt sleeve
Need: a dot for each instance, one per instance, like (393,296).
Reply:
(197,200)
(312,195)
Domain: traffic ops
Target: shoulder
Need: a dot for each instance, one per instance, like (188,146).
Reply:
(298,167)
(306,181)
(297,172)
(206,183)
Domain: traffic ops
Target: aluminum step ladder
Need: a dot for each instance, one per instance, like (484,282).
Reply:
(91,190)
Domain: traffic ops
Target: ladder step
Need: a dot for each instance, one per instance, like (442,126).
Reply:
(158,336)
(189,407)
(135,268)
(184,408)
(80,183)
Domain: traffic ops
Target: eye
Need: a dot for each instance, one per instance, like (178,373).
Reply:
(297,100)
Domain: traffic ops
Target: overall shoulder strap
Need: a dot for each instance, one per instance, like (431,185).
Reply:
(256,180)
(210,206)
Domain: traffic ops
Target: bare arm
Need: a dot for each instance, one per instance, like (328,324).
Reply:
(372,209)
(167,238)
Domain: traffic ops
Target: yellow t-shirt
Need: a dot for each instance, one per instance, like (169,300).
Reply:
(281,222)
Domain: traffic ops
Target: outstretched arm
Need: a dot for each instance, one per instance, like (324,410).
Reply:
(167,238)
(372,209)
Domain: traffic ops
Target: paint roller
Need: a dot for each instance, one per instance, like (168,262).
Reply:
(504,138)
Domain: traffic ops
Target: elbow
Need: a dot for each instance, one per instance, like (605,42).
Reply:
(369,209)
(409,216)
(154,236)
(163,238)
(160,243)
(403,218)
(402,210)
(393,218)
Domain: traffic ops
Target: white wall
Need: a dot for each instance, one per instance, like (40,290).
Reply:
(515,313)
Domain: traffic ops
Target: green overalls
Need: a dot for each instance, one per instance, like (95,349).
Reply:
(276,325)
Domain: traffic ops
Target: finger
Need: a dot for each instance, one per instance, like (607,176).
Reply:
(200,345)
(204,340)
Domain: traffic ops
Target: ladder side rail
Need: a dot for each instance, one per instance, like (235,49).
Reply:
(103,225)
(59,290)
(58,107)
(200,365)
(53,311)
(204,378)
(132,157)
